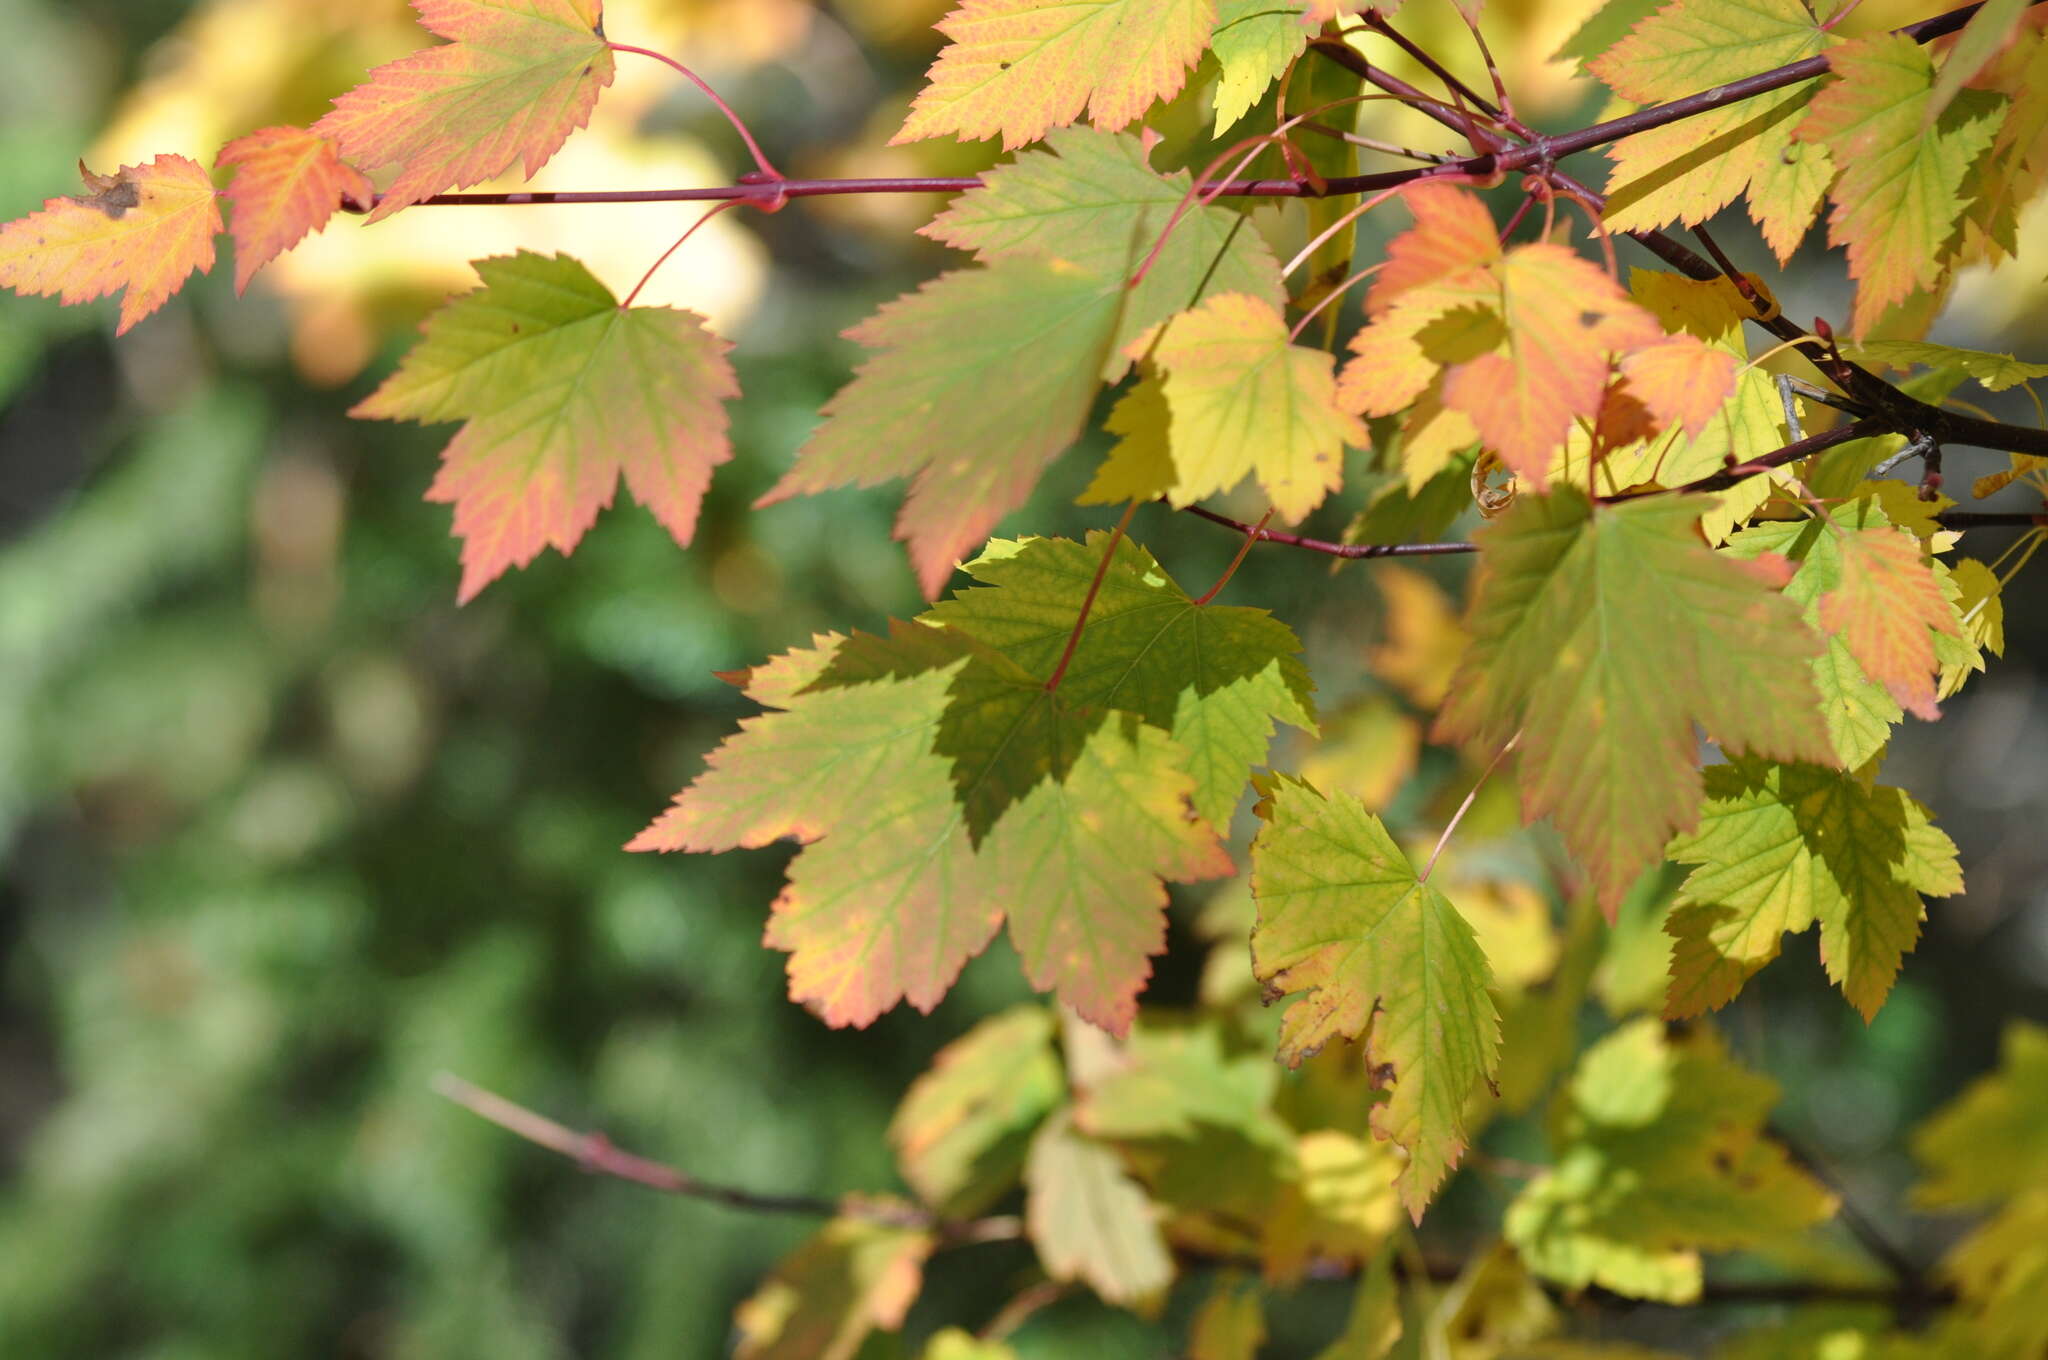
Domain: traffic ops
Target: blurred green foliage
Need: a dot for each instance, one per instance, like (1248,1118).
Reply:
(285,833)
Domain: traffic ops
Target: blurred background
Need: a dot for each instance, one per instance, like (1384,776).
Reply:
(283,832)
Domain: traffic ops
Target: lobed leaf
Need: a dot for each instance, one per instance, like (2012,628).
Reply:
(850,1278)
(1601,634)
(515,79)
(1089,1220)
(288,183)
(1887,611)
(1255,42)
(963,1127)
(561,392)
(1017,68)
(144,229)
(1381,957)
(1780,847)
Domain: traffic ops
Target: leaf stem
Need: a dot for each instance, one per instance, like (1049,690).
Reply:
(1059,672)
(1471,796)
(1251,537)
(739,124)
(709,213)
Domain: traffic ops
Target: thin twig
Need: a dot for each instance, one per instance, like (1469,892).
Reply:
(596,1153)
(1327,548)
(1251,537)
(739,124)
(709,213)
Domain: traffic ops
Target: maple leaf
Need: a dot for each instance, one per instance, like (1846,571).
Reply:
(937,810)
(1780,847)
(1139,466)
(144,228)
(852,1276)
(1989,1143)
(517,77)
(1689,170)
(561,391)
(1659,1157)
(983,377)
(963,1127)
(1090,199)
(288,183)
(1019,67)
(1216,677)
(1247,401)
(1682,380)
(1899,196)
(1088,1219)
(1381,956)
(1886,611)
(1997,372)
(1255,41)
(1602,634)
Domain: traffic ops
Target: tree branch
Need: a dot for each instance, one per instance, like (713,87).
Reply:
(596,1153)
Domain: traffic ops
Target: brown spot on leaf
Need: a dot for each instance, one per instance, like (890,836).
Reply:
(116,200)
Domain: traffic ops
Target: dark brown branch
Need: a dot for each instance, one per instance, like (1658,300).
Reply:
(596,1153)
(1324,546)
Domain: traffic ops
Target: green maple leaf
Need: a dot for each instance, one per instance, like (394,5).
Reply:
(1381,956)
(1216,677)
(1996,372)
(1780,847)
(1657,1158)
(983,377)
(517,78)
(1092,200)
(1255,42)
(877,770)
(1019,67)
(1088,1219)
(964,1126)
(1602,634)
(1899,196)
(850,1278)
(1991,1142)
(1171,1083)
(1247,401)
(562,391)
(1689,170)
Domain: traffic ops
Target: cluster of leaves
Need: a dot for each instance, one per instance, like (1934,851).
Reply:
(1053,744)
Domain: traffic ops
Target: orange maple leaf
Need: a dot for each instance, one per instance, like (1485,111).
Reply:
(517,77)
(288,182)
(1681,379)
(144,228)
(1887,610)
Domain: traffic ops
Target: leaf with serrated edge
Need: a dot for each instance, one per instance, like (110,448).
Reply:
(1781,846)
(1689,170)
(1899,195)
(288,183)
(1019,67)
(851,1277)
(562,392)
(980,379)
(1602,635)
(963,1127)
(1996,372)
(1139,466)
(1217,677)
(1682,380)
(1991,1142)
(515,79)
(1248,402)
(1254,42)
(1887,610)
(1088,1219)
(1379,956)
(144,228)
(1092,200)
(1658,1157)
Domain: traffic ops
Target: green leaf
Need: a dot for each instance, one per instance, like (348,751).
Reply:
(963,1127)
(1231,1324)
(1139,466)
(562,392)
(982,378)
(1601,635)
(1899,196)
(1782,846)
(1019,67)
(1172,1081)
(1217,677)
(1381,957)
(955,1344)
(1689,170)
(1089,1220)
(1603,28)
(1991,1142)
(1246,401)
(1995,371)
(1657,1158)
(1255,42)
(851,1277)
(1092,200)
(1374,1324)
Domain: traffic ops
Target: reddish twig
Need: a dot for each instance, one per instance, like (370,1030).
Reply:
(709,213)
(739,124)
(1251,537)
(1327,548)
